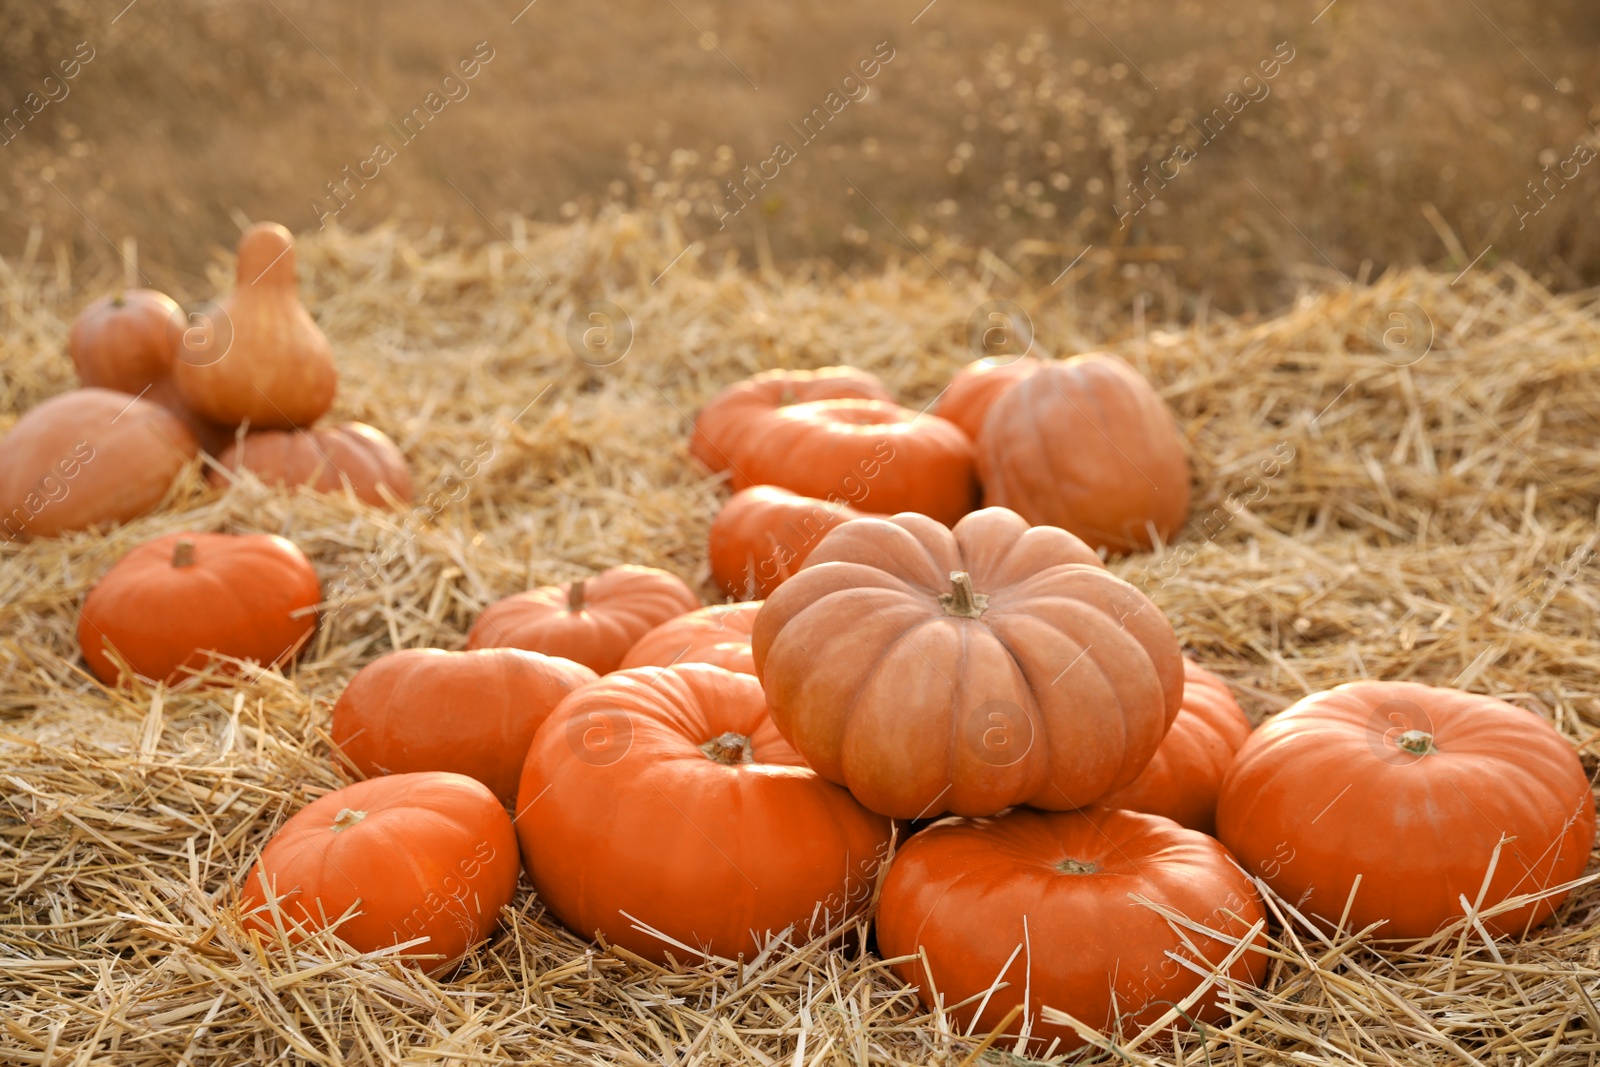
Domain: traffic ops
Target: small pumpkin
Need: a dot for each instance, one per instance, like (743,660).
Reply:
(172,604)
(723,424)
(1038,907)
(975,388)
(966,670)
(1411,788)
(474,713)
(592,621)
(665,798)
(764,533)
(1085,444)
(881,457)
(719,635)
(125,341)
(275,370)
(1182,779)
(430,855)
(326,459)
(87,457)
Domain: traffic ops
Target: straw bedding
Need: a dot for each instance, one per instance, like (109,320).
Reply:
(1358,518)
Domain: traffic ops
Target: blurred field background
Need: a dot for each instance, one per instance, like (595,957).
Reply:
(1000,136)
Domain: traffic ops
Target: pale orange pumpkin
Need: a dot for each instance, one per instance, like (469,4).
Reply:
(975,388)
(326,458)
(718,635)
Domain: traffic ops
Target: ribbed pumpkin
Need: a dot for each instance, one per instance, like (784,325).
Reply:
(170,604)
(326,459)
(966,670)
(763,534)
(975,388)
(1183,778)
(1087,445)
(721,427)
(473,713)
(718,635)
(593,621)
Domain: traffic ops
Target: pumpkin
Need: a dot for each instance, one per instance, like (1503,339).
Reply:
(430,855)
(1182,779)
(966,670)
(593,621)
(719,635)
(764,533)
(87,457)
(975,388)
(1039,904)
(665,798)
(722,425)
(1411,789)
(1087,445)
(474,713)
(879,456)
(275,370)
(327,459)
(171,604)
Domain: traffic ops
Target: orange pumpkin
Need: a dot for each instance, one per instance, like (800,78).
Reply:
(428,855)
(719,635)
(592,621)
(722,425)
(1087,445)
(474,713)
(327,459)
(1412,789)
(87,457)
(274,369)
(881,457)
(1037,905)
(975,388)
(664,798)
(763,534)
(966,670)
(1182,779)
(172,604)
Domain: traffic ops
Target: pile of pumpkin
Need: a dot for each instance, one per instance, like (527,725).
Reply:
(1082,812)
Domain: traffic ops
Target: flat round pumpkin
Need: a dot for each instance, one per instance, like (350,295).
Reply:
(880,457)
(473,713)
(171,604)
(764,533)
(429,855)
(326,459)
(593,621)
(665,798)
(718,635)
(966,670)
(722,425)
(1411,788)
(975,388)
(1183,778)
(1085,444)
(1042,901)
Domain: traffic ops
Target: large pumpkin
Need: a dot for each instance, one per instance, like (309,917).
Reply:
(326,458)
(764,533)
(880,457)
(264,361)
(87,457)
(1183,778)
(1411,789)
(664,798)
(1049,904)
(966,670)
(1087,445)
(723,424)
(593,621)
(975,388)
(428,855)
(474,713)
(171,604)
(719,635)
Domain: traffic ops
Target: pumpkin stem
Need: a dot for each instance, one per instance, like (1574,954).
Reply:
(120,299)
(183,553)
(730,748)
(1077,867)
(787,398)
(347,818)
(575,596)
(1416,742)
(961,601)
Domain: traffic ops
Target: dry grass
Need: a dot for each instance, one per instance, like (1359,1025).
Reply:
(1421,530)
